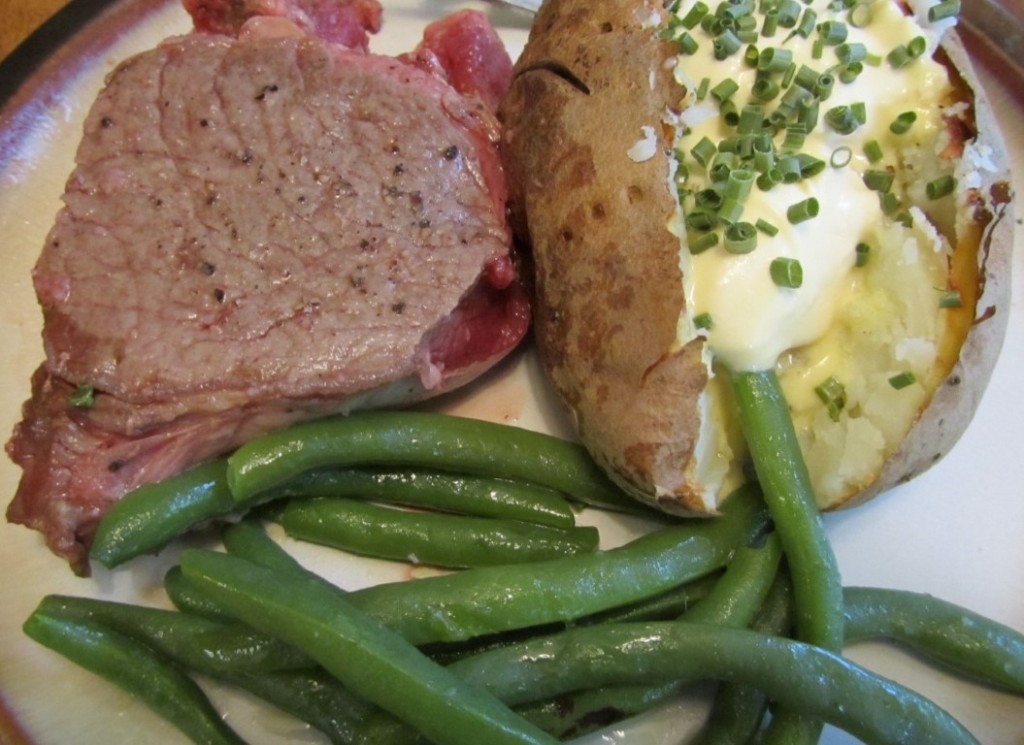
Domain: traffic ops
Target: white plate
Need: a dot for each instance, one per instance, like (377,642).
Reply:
(955,532)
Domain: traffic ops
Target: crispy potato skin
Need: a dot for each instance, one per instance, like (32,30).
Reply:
(608,282)
(609,287)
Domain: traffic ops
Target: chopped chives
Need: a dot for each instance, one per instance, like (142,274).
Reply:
(878,180)
(863,251)
(704,151)
(703,242)
(899,56)
(802,211)
(786,272)
(809,165)
(807,24)
(751,119)
(729,113)
(940,187)
(702,88)
(808,114)
(806,77)
(917,46)
(842,119)
(873,151)
(766,227)
(902,380)
(765,89)
(833,394)
(724,90)
(841,157)
(751,55)
(944,10)
(833,32)
(775,59)
(854,52)
(768,180)
(740,183)
(708,199)
(889,202)
(771,23)
(789,13)
(740,238)
(695,15)
(730,211)
(860,111)
(849,72)
(818,49)
(859,15)
(726,44)
(83,397)
(687,44)
(701,221)
(950,299)
(796,133)
(902,123)
(703,321)
(787,77)
(823,86)
(786,170)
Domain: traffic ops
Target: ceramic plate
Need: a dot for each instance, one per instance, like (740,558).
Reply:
(956,532)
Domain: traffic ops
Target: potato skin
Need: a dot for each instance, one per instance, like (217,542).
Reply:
(608,283)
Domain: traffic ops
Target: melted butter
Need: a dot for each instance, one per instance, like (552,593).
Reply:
(755,321)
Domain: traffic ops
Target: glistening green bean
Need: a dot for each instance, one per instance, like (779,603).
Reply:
(488,600)
(452,541)
(449,492)
(370,660)
(139,671)
(782,473)
(422,440)
(201,644)
(803,677)
(149,517)
(963,641)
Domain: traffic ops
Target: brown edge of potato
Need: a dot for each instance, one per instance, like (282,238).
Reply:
(608,284)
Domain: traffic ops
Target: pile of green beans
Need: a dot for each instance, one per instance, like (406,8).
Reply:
(542,646)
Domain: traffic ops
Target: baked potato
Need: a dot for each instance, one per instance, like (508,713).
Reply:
(616,134)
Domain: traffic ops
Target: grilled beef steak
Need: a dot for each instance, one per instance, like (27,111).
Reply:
(261,229)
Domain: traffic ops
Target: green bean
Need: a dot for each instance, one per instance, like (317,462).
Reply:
(139,671)
(369,659)
(269,669)
(452,541)
(422,440)
(737,709)
(248,540)
(189,599)
(667,606)
(148,518)
(782,473)
(448,492)
(803,677)
(202,644)
(955,637)
(736,598)
(487,600)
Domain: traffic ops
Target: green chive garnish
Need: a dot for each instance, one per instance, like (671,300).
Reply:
(802,211)
(703,321)
(878,180)
(863,253)
(766,227)
(902,380)
(687,44)
(833,394)
(899,57)
(724,90)
(83,397)
(786,272)
(841,157)
(833,32)
(944,10)
(694,16)
(854,52)
(902,124)
(950,299)
(740,238)
(704,151)
(873,151)
(703,242)
(940,187)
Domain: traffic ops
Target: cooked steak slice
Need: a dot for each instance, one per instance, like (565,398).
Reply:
(257,231)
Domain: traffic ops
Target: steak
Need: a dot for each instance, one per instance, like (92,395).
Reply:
(260,229)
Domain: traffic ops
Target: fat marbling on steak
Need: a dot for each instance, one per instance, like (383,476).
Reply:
(258,230)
